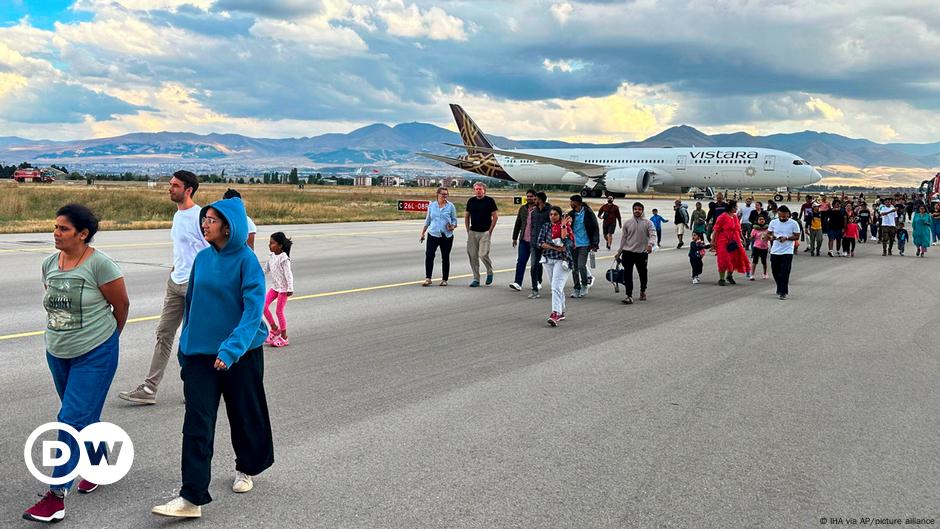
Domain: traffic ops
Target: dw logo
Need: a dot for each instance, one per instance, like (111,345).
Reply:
(105,453)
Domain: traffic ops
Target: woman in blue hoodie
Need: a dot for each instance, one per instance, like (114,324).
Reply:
(221,356)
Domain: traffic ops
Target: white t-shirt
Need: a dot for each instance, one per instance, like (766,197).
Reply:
(745,214)
(889,217)
(186,234)
(251,225)
(783,229)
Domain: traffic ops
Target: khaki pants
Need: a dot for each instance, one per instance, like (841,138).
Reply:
(170,319)
(478,249)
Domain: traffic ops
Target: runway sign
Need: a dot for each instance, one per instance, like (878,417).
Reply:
(519,200)
(413,205)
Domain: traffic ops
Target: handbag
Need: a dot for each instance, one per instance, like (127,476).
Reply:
(732,246)
(616,276)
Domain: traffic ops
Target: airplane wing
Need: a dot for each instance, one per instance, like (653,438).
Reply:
(446,159)
(589,170)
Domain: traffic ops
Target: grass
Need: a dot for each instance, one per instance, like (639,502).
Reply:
(30,208)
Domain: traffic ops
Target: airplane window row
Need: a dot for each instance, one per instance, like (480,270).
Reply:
(722,161)
(625,161)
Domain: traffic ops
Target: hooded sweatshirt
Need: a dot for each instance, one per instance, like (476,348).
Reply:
(225,299)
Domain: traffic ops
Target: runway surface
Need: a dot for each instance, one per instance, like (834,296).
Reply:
(403,406)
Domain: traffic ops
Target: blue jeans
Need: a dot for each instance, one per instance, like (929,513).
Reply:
(525,249)
(82,384)
(936,231)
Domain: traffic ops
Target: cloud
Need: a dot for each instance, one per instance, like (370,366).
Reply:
(562,12)
(56,102)
(562,65)
(413,22)
(271,8)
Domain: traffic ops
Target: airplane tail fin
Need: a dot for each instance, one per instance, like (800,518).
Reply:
(470,133)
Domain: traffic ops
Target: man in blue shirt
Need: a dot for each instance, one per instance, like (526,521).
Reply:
(587,238)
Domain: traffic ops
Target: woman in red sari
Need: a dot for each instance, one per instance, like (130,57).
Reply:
(726,242)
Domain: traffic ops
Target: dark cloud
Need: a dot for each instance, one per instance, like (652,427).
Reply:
(270,8)
(54,102)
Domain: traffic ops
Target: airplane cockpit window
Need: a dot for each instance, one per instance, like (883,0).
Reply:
(800,162)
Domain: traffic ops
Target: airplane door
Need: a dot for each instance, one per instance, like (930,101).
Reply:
(680,162)
(769,162)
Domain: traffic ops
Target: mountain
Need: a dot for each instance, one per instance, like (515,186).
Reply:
(383,144)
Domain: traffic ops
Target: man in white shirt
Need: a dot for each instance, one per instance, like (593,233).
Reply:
(783,231)
(889,223)
(188,240)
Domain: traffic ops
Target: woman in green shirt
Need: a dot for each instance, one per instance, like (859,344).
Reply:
(86,308)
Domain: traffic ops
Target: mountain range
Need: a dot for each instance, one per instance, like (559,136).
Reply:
(386,145)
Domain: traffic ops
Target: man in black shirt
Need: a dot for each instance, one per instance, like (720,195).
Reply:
(715,209)
(480,221)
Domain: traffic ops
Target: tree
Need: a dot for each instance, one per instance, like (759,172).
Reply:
(292,179)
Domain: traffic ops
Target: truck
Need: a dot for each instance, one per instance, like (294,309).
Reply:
(930,189)
(33,174)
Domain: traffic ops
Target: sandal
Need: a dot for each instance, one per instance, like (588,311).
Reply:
(427,282)
(443,283)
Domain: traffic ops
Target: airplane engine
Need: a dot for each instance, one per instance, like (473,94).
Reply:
(629,181)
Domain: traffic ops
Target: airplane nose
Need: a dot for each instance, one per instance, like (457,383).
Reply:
(815,176)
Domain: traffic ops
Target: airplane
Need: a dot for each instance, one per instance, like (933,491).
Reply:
(631,170)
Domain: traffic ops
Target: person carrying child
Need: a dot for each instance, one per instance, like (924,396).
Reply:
(282,287)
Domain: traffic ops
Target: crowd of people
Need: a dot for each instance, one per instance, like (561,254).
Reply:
(558,244)
(223,313)
(216,291)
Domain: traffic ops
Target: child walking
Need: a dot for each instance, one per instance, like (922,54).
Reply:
(282,287)
(760,247)
(658,221)
(850,237)
(902,236)
(696,252)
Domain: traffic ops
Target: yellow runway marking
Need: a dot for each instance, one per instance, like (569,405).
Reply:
(313,296)
(46,248)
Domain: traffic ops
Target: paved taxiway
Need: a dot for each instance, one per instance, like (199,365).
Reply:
(402,406)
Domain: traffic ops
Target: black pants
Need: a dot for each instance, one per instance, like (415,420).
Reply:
(242,386)
(445,244)
(535,266)
(758,255)
(848,245)
(780,266)
(631,259)
(697,265)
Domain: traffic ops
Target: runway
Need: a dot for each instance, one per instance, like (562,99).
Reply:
(403,406)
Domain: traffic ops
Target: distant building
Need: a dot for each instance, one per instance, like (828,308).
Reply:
(452,181)
(362,181)
(424,181)
(393,181)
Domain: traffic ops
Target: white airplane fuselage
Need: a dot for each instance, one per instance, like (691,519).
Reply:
(731,167)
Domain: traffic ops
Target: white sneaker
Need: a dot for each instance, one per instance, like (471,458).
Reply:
(695,280)
(515,286)
(242,483)
(178,508)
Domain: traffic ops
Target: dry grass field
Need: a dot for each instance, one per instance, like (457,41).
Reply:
(30,208)
(27,208)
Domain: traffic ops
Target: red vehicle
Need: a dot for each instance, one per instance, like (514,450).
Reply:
(931,188)
(33,175)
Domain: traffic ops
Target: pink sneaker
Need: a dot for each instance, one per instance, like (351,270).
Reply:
(561,317)
(51,508)
(280,341)
(272,336)
(764,276)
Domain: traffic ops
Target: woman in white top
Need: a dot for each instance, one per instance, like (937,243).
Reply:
(282,287)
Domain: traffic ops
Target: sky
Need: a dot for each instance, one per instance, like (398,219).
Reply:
(598,71)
